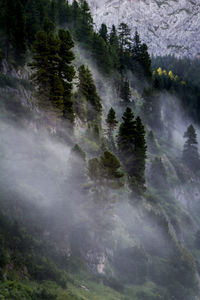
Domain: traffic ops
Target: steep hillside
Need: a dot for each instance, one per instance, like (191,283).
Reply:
(99,160)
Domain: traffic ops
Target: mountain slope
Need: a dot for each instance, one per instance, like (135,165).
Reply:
(167,26)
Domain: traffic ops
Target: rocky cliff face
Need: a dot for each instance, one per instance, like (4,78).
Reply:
(167,26)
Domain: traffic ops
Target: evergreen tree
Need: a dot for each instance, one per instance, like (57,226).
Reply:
(152,109)
(124,45)
(132,149)
(103,32)
(125,92)
(141,61)
(101,53)
(111,124)
(140,153)
(84,29)
(190,151)
(87,88)
(66,72)
(126,140)
(13,22)
(52,57)
(33,20)
(114,47)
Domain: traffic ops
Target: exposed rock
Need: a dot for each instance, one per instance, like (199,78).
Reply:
(167,26)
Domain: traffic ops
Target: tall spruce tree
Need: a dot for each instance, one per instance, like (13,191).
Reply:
(13,22)
(53,72)
(190,151)
(126,140)
(66,72)
(140,153)
(114,47)
(125,41)
(125,92)
(141,61)
(103,32)
(88,89)
(132,149)
(111,125)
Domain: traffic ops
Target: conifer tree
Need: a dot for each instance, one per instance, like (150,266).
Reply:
(126,140)
(111,122)
(103,32)
(101,53)
(141,61)
(53,73)
(88,89)
(85,24)
(66,72)
(12,21)
(125,92)
(125,46)
(140,153)
(114,47)
(132,149)
(190,151)
(111,125)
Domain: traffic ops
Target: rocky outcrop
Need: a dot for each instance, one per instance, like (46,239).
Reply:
(167,26)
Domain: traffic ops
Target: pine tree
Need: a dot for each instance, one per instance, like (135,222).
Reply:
(141,61)
(125,46)
(111,124)
(132,149)
(103,32)
(125,92)
(87,88)
(12,21)
(53,72)
(84,24)
(114,47)
(190,151)
(140,153)
(101,53)
(66,72)
(126,140)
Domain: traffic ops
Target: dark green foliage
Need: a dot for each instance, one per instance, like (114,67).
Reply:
(101,53)
(141,61)
(125,92)
(13,33)
(84,22)
(106,170)
(124,46)
(132,148)
(87,89)
(114,47)
(52,57)
(190,151)
(111,125)
(66,72)
(140,153)
(103,32)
